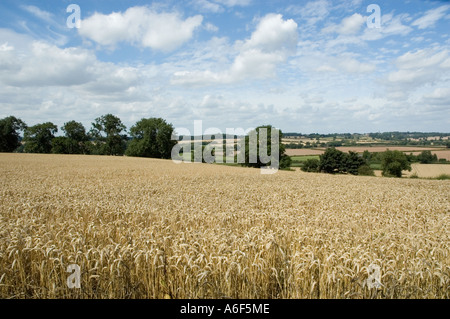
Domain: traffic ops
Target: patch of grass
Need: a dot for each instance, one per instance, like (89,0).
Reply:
(376,167)
(302,159)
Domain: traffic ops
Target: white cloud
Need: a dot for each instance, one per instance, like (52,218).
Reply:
(140,26)
(208,6)
(424,58)
(439,94)
(217,6)
(274,34)
(47,65)
(29,63)
(233,3)
(211,27)
(44,15)
(354,66)
(349,25)
(254,63)
(273,41)
(313,11)
(390,26)
(417,72)
(430,17)
(6,47)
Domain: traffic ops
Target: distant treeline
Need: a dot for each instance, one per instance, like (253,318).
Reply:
(388,138)
(384,136)
(392,163)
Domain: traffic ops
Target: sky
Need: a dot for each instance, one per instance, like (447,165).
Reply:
(323,66)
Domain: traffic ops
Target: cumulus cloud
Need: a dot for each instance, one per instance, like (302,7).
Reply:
(46,65)
(417,72)
(140,26)
(29,63)
(274,34)
(273,41)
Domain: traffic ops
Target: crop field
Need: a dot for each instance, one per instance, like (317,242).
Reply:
(429,170)
(303,152)
(375,149)
(144,228)
(441,153)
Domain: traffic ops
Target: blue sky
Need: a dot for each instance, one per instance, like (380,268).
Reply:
(302,66)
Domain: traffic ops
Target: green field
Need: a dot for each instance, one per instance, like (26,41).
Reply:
(297,161)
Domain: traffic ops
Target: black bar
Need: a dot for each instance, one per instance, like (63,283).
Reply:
(225,308)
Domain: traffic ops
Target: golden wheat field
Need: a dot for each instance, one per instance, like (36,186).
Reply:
(143,228)
(428,170)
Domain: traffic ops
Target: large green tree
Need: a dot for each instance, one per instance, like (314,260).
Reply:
(332,161)
(38,138)
(353,162)
(151,137)
(311,166)
(107,134)
(393,163)
(74,141)
(9,133)
(426,157)
(262,151)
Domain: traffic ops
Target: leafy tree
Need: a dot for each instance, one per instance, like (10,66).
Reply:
(311,165)
(255,157)
(9,133)
(412,158)
(75,131)
(335,143)
(151,137)
(393,163)
(74,141)
(107,137)
(60,145)
(38,138)
(353,162)
(367,156)
(426,157)
(285,162)
(332,161)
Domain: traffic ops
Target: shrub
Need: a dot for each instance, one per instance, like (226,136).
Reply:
(311,166)
(365,170)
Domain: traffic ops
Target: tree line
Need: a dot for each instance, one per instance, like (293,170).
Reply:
(149,137)
(391,163)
